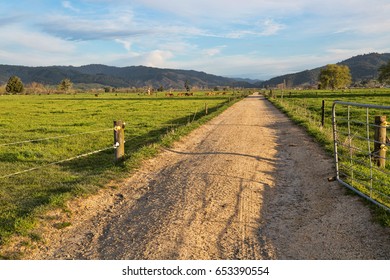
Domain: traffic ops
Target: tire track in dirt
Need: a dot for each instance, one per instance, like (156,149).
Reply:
(247,185)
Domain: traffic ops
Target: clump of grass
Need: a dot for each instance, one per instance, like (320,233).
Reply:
(382,216)
(62,225)
(36,237)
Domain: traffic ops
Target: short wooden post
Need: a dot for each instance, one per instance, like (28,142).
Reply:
(119,140)
(323,114)
(206,109)
(380,141)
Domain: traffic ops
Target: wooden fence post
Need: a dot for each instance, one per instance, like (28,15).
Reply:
(119,140)
(206,109)
(380,141)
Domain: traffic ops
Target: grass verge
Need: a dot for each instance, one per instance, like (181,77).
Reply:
(304,108)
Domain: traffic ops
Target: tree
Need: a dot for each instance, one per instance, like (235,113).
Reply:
(187,86)
(14,85)
(335,76)
(384,73)
(65,85)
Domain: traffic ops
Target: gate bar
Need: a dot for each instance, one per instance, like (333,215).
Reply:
(336,160)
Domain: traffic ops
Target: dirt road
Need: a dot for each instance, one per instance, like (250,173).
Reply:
(247,185)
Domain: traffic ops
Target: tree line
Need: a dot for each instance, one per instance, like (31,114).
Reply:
(16,86)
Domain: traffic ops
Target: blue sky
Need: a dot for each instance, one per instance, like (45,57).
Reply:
(236,38)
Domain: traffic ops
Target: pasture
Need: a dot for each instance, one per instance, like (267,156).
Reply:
(72,151)
(304,107)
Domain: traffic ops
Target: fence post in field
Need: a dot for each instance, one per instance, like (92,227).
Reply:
(380,141)
(119,140)
(323,113)
(206,109)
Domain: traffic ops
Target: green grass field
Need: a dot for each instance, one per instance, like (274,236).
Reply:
(304,107)
(73,125)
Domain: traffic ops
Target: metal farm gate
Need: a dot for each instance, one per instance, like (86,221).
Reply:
(360,145)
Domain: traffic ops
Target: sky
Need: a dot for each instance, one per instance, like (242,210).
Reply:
(257,39)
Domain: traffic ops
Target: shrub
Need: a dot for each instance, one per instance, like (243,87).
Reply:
(14,85)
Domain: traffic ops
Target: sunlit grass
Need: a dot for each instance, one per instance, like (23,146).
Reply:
(150,121)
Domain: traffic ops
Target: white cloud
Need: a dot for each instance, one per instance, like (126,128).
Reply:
(376,25)
(126,43)
(267,27)
(27,40)
(157,58)
(23,46)
(179,47)
(68,5)
(226,9)
(270,27)
(213,51)
(75,28)
(116,25)
(345,17)
(237,34)
(358,15)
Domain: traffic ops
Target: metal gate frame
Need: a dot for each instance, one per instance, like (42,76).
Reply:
(369,141)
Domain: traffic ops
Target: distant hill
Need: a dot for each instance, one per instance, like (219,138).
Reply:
(362,67)
(133,76)
(251,81)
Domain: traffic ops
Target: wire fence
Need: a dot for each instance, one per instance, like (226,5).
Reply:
(168,126)
(52,138)
(56,162)
(360,145)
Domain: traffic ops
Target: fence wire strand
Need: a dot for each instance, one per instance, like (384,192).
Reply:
(56,162)
(52,138)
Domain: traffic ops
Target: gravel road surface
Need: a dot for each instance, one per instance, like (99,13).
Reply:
(247,185)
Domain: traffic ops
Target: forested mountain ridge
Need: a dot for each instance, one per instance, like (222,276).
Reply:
(362,67)
(132,76)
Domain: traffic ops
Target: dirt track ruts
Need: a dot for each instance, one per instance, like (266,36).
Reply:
(247,185)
